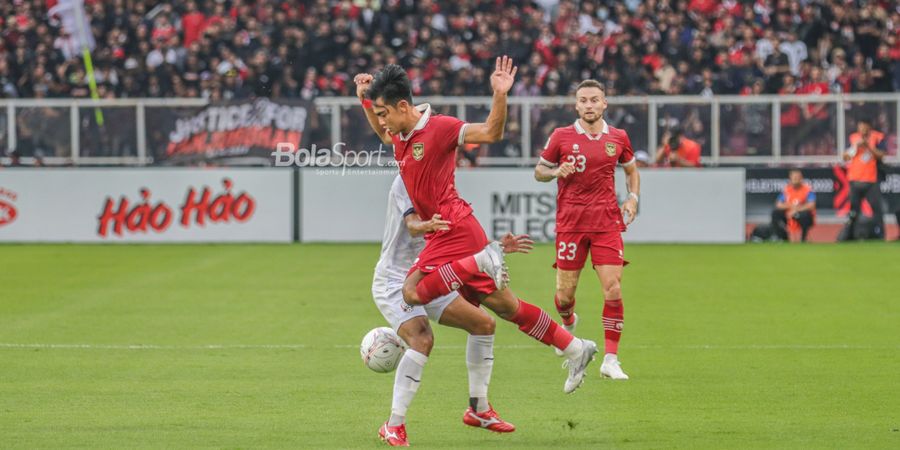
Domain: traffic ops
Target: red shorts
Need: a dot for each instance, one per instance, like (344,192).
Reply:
(465,238)
(572,249)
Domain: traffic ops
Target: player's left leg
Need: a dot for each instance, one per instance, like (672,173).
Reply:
(613,319)
(536,323)
(607,256)
(479,361)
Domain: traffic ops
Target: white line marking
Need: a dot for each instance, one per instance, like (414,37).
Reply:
(11,345)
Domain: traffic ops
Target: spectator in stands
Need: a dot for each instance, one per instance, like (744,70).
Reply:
(795,208)
(635,46)
(677,150)
(867,148)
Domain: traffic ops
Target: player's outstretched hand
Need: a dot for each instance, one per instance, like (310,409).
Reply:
(521,243)
(363,81)
(436,224)
(565,169)
(504,75)
(629,209)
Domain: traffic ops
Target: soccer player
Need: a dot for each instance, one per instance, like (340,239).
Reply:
(400,245)
(460,257)
(582,157)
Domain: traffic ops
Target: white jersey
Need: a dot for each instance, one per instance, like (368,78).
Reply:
(398,248)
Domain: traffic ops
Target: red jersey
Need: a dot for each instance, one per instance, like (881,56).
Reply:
(586,201)
(427,159)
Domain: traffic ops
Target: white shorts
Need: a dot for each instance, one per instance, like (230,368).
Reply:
(389,300)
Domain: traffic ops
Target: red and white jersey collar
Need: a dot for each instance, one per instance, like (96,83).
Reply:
(425,109)
(580,130)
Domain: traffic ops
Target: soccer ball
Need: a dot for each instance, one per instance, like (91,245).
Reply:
(381,349)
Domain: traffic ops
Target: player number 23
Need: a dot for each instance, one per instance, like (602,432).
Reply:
(578,161)
(566,251)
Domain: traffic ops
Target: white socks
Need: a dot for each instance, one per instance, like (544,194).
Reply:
(406,383)
(574,349)
(480,362)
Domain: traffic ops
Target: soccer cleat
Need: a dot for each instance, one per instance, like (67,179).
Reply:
(611,368)
(488,420)
(490,261)
(578,365)
(570,329)
(393,436)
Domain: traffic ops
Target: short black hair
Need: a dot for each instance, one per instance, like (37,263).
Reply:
(391,85)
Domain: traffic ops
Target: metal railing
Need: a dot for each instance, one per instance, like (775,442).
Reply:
(766,129)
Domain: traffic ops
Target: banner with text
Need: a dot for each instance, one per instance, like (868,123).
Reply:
(247,131)
(703,205)
(145,205)
(829,183)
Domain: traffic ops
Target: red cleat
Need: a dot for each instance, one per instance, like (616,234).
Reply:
(488,419)
(393,436)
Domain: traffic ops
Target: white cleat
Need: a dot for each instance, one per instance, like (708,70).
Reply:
(490,261)
(611,368)
(571,330)
(578,365)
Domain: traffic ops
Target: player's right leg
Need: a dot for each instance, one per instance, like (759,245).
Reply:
(452,260)
(411,323)
(571,254)
(566,284)
(479,360)
(448,277)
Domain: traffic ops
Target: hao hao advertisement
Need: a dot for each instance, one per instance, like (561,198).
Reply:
(146,205)
(248,131)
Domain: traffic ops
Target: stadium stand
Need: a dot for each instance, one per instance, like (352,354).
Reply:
(223,49)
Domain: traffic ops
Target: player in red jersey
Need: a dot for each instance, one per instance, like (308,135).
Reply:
(582,157)
(460,257)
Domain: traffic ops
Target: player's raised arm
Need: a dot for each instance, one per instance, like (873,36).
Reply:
(363,81)
(492,129)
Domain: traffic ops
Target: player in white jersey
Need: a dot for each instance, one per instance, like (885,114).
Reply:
(400,247)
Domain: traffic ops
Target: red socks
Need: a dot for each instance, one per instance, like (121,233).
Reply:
(446,279)
(613,315)
(566,314)
(536,323)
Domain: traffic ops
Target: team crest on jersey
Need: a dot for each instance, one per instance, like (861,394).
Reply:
(575,148)
(418,151)
(610,149)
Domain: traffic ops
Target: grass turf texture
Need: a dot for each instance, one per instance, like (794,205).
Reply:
(727,347)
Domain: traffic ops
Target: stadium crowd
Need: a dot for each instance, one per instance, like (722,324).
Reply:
(221,49)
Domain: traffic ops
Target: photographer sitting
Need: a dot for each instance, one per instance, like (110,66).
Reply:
(677,150)
(795,208)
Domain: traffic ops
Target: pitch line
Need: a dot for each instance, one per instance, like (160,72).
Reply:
(11,345)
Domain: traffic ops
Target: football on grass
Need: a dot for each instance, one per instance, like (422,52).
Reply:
(381,349)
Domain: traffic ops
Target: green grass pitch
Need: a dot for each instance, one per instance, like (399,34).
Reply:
(255,346)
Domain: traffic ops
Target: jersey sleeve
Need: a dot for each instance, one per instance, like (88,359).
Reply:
(811,197)
(401,199)
(627,156)
(452,130)
(550,154)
